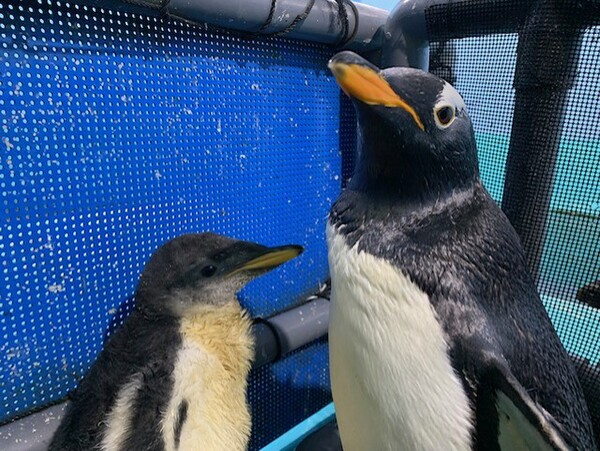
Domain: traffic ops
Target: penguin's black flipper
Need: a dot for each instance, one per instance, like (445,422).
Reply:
(512,417)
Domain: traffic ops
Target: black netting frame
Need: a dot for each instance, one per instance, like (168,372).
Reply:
(538,142)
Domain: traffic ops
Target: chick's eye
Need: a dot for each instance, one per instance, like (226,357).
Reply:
(444,115)
(209,270)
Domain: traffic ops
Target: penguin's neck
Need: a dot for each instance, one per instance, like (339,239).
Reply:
(223,331)
(386,170)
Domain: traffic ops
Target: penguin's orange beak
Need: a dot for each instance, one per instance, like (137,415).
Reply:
(361,80)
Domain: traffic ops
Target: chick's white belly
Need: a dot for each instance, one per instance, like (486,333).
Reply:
(217,413)
(393,385)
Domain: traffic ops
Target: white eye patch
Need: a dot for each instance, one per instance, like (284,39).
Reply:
(450,96)
(449,104)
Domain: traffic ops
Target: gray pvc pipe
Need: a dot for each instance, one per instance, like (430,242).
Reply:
(406,42)
(301,325)
(285,332)
(321,25)
(406,33)
(33,432)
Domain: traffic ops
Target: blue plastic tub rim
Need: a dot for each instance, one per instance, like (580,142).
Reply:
(291,439)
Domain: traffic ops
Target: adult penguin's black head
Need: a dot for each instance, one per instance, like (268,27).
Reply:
(416,140)
(203,269)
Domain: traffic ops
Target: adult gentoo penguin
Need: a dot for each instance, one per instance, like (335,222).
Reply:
(438,338)
(173,377)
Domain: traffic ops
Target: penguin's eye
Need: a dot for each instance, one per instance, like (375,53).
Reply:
(444,116)
(209,271)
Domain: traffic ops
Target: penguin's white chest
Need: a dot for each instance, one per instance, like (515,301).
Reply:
(207,408)
(210,378)
(393,384)
(217,415)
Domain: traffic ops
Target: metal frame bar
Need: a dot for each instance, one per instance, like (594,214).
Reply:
(323,24)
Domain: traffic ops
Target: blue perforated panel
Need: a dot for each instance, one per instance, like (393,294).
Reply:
(120,132)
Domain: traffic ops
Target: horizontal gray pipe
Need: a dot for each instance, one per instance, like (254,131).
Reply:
(33,432)
(290,330)
(322,24)
(302,325)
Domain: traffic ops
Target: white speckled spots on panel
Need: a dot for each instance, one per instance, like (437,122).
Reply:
(119,132)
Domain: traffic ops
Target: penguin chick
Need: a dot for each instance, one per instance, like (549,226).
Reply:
(438,338)
(173,377)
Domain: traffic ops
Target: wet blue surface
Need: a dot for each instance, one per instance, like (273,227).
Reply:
(120,132)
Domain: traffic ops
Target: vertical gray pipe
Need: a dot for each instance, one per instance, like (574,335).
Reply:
(547,56)
(405,38)
(414,23)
